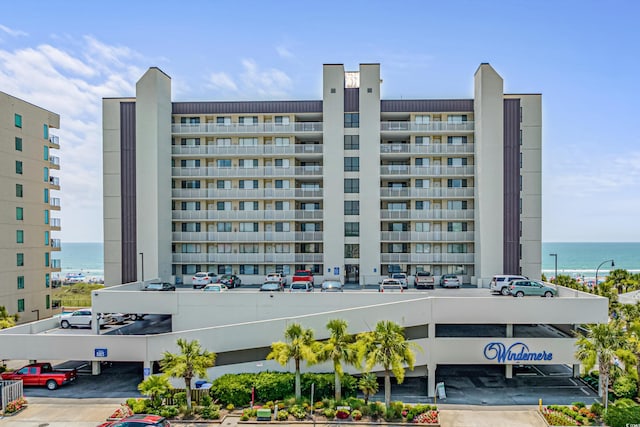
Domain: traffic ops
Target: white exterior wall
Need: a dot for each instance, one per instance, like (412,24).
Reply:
(489,174)
(333,169)
(369,173)
(153,173)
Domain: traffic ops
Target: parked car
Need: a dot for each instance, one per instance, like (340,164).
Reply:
(301,287)
(271,287)
(203,278)
(450,281)
(402,278)
(424,279)
(41,374)
(500,282)
(80,318)
(117,317)
(215,287)
(391,285)
(276,277)
(521,288)
(331,286)
(302,276)
(159,286)
(139,420)
(230,280)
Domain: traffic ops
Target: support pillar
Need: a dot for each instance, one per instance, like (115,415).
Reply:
(146,369)
(576,370)
(95,367)
(508,369)
(431,380)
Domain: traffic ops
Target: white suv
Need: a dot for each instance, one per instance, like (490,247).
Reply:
(202,279)
(500,282)
(79,318)
(402,278)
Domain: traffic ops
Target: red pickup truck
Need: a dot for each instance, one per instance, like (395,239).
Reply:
(41,374)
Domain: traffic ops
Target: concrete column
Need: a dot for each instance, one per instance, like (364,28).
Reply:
(509,331)
(576,370)
(431,380)
(508,369)
(146,369)
(95,323)
(95,367)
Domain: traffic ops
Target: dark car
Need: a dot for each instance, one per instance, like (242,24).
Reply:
(230,280)
(138,420)
(271,287)
(159,286)
(331,286)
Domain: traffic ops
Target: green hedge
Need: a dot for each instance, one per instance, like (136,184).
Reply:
(269,386)
(622,416)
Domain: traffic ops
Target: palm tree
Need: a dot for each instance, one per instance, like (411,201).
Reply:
(192,361)
(368,384)
(600,345)
(387,346)
(7,320)
(300,346)
(340,347)
(155,386)
(630,317)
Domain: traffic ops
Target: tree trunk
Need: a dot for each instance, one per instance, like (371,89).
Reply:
(298,389)
(338,387)
(387,388)
(187,383)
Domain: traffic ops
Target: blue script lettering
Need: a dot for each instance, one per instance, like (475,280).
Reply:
(517,352)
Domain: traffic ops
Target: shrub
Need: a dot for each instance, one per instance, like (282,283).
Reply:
(621,416)
(625,387)
(168,411)
(329,413)
(230,407)
(211,412)
(318,405)
(342,414)
(298,412)
(597,409)
(376,410)
(355,403)
(233,388)
(205,400)
(392,414)
(416,410)
(429,417)
(245,417)
(283,415)
(356,415)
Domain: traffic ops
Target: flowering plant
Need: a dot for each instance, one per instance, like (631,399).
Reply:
(15,405)
(123,411)
(342,414)
(429,417)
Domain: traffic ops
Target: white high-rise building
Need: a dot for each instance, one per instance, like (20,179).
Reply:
(350,185)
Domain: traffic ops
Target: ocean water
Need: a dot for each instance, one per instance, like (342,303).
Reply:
(573,258)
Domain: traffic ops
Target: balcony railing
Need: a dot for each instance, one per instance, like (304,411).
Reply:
(439,258)
(54,181)
(54,202)
(54,222)
(55,243)
(417,171)
(248,215)
(427,236)
(427,214)
(426,127)
(239,236)
(54,141)
(244,150)
(427,149)
(56,264)
(434,192)
(54,161)
(239,193)
(247,258)
(239,172)
(258,128)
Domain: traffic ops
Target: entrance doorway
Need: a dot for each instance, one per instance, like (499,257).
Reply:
(352,273)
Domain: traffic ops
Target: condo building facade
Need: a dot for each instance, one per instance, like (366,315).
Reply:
(351,185)
(28,208)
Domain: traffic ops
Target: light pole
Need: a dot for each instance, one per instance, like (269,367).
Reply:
(142,266)
(555,278)
(601,264)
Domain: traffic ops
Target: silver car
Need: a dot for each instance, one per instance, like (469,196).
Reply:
(391,285)
(331,286)
(450,281)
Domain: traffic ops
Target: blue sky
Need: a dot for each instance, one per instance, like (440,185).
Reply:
(581,55)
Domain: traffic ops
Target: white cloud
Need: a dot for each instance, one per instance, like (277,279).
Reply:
(284,52)
(11,32)
(252,82)
(222,81)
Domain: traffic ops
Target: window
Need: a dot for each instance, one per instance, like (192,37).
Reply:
(249,269)
(457,205)
(456,183)
(423,226)
(309,226)
(20,214)
(223,185)
(249,248)
(352,164)
(315,206)
(398,226)
(223,248)
(351,185)
(282,141)
(20,260)
(46,216)
(282,163)
(351,207)
(247,227)
(248,163)
(352,250)
(190,248)
(18,120)
(223,227)
(47,301)
(281,120)
(423,205)
(457,248)
(46,259)
(397,248)
(19,190)
(422,161)
(423,120)
(190,206)
(282,206)
(190,141)
(352,229)
(18,144)
(45,152)
(248,206)
(20,282)
(352,142)
(457,161)
(457,118)
(224,269)
(225,121)
(45,131)
(46,176)
(282,227)
(190,120)
(19,167)
(248,184)
(223,163)
(423,248)
(456,226)
(352,120)
(280,183)
(310,186)
(248,142)
(190,184)
(422,183)
(190,226)
(248,120)
(423,140)
(19,236)
(190,163)
(47,280)
(397,206)
(189,269)
(282,248)
(46,195)
(456,140)
(21,305)
(223,142)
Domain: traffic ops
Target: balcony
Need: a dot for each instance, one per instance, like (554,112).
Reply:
(427,236)
(239,172)
(54,141)
(236,236)
(54,202)
(309,258)
(433,258)
(247,129)
(54,162)
(54,223)
(55,244)
(432,171)
(54,182)
(239,193)
(237,215)
(435,192)
(245,150)
(444,214)
(426,149)
(56,265)
(432,127)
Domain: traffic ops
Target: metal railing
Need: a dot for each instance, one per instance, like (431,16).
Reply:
(427,214)
(54,160)
(248,236)
(427,236)
(257,128)
(54,201)
(9,391)
(257,172)
(54,140)
(54,180)
(244,150)
(426,127)
(427,148)
(54,222)
(443,258)
(417,171)
(240,193)
(239,215)
(55,243)
(427,192)
(56,264)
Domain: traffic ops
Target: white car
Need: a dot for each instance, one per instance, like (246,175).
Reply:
(276,277)
(79,318)
(402,278)
(203,278)
(500,283)
(391,285)
(215,287)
